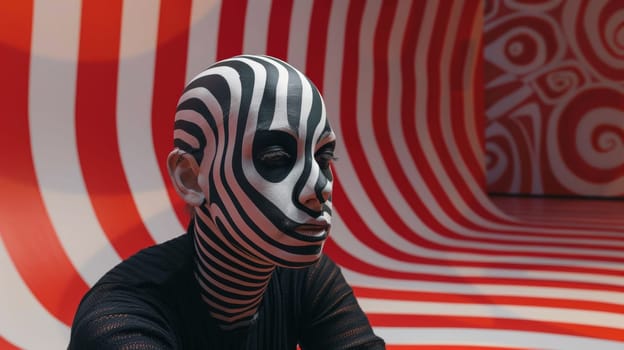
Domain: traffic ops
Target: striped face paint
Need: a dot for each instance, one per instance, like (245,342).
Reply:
(258,130)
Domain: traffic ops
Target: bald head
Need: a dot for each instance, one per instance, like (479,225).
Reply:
(253,134)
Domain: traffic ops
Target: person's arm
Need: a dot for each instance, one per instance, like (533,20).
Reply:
(332,317)
(121,320)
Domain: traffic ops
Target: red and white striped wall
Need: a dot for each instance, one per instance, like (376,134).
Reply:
(87,103)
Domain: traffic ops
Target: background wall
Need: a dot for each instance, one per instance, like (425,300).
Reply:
(554,98)
(87,107)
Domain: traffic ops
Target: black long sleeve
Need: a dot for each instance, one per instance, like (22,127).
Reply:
(152,301)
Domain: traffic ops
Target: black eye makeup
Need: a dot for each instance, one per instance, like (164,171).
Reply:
(274,154)
(325,155)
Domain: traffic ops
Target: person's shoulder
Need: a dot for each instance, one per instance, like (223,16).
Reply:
(155,265)
(137,298)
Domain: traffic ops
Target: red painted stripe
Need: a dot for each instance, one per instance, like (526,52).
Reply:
(363,292)
(279,29)
(317,42)
(435,321)
(6,345)
(169,79)
(231,28)
(96,128)
(597,32)
(25,227)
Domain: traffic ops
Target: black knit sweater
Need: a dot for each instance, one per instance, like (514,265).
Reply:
(152,301)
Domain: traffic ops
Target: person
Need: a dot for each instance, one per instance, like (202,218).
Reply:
(252,155)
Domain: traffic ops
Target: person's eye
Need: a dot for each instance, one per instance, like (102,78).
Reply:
(324,157)
(274,156)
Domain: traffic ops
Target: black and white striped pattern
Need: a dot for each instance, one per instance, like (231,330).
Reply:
(258,130)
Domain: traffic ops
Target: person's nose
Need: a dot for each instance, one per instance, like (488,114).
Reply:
(316,191)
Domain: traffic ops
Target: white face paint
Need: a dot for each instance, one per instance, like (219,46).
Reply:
(266,178)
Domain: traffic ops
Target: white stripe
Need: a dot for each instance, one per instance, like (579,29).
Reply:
(52,90)
(256,27)
(23,321)
(490,337)
(203,36)
(513,312)
(139,30)
(364,280)
(299,33)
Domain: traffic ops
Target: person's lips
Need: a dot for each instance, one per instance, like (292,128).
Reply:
(313,229)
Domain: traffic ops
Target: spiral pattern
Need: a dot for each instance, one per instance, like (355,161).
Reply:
(571,144)
(592,160)
(595,33)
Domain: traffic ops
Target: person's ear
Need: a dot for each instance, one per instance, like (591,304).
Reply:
(184,171)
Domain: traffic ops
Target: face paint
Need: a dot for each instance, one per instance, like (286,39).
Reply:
(258,130)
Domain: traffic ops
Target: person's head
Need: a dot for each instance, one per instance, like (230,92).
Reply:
(252,155)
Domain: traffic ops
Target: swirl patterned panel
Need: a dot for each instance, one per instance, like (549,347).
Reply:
(87,125)
(553,96)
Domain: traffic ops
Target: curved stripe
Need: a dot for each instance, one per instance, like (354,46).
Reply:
(231,29)
(317,45)
(24,222)
(96,136)
(6,345)
(279,29)
(403,312)
(139,30)
(490,299)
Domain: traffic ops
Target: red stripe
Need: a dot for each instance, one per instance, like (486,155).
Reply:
(317,42)
(279,29)
(454,321)
(587,35)
(169,79)
(25,227)
(231,28)
(96,133)
(5,345)
(363,292)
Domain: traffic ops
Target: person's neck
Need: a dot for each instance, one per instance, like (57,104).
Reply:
(232,283)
